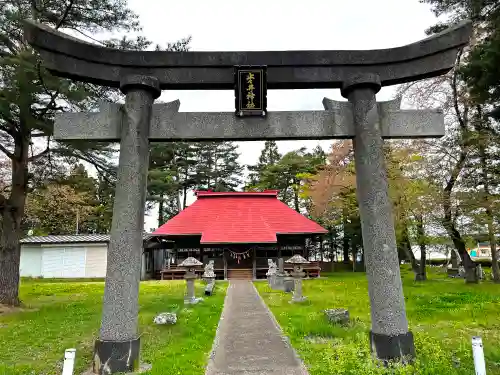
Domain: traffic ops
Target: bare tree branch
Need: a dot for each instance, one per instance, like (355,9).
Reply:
(38,156)
(461,118)
(65,14)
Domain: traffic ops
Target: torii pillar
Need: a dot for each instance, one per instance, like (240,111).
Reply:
(118,346)
(390,337)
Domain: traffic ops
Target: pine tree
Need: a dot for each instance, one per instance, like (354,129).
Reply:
(217,167)
(268,156)
(170,177)
(291,175)
(29,99)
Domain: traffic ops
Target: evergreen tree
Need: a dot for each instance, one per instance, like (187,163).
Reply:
(29,99)
(170,177)
(102,215)
(162,181)
(268,156)
(217,167)
(291,175)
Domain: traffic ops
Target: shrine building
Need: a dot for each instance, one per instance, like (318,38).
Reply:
(240,231)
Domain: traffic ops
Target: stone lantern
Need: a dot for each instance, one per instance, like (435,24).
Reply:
(298,263)
(190,264)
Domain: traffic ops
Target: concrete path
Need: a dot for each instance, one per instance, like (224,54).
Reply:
(248,340)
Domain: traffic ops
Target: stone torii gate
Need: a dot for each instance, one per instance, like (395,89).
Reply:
(142,76)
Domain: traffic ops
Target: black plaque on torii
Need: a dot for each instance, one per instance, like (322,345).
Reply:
(250,90)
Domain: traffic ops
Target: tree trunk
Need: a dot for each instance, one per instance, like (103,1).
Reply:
(489,214)
(296,197)
(184,197)
(494,255)
(333,250)
(406,249)
(354,250)
(421,275)
(448,223)
(12,211)
(345,241)
(454,259)
(470,267)
(161,219)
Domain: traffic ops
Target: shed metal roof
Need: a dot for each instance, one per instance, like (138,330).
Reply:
(76,238)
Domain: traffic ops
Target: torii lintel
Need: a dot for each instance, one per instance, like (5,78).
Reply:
(168,124)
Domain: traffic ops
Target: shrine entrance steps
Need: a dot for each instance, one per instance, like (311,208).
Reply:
(248,340)
(240,274)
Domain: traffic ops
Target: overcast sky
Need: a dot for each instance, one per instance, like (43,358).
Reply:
(232,25)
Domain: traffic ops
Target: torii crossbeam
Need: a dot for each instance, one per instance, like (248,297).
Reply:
(168,124)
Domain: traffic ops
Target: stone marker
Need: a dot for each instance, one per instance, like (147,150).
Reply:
(279,281)
(337,316)
(452,272)
(190,265)
(165,318)
(480,272)
(461,272)
(140,75)
(271,273)
(298,261)
(209,277)
(288,284)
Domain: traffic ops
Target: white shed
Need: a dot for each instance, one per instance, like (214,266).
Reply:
(71,256)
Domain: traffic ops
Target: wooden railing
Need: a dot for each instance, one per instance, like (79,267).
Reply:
(312,269)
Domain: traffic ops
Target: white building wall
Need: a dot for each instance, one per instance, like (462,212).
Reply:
(52,262)
(65,260)
(31,261)
(74,262)
(96,262)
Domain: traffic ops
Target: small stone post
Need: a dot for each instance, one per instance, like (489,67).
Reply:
(297,261)
(117,349)
(189,264)
(209,277)
(271,273)
(280,275)
(389,336)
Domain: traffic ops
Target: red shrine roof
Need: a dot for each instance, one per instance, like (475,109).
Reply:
(248,217)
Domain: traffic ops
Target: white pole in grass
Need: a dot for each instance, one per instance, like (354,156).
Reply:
(69,361)
(477,352)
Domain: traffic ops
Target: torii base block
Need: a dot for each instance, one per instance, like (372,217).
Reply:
(119,356)
(390,347)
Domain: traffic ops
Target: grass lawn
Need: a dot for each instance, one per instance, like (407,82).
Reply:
(443,315)
(62,315)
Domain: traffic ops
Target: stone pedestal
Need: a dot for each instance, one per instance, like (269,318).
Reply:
(288,284)
(190,298)
(297,292)
(209,288)
(279,281)
(189,265)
